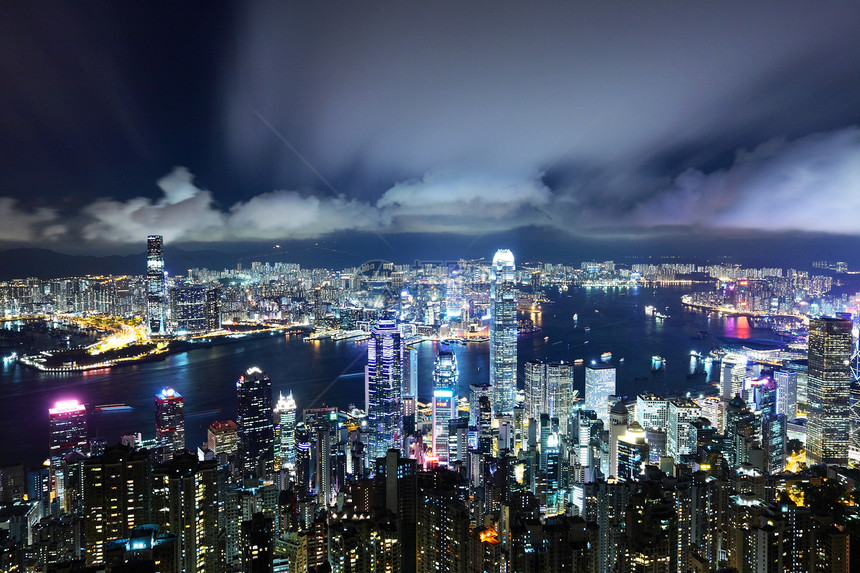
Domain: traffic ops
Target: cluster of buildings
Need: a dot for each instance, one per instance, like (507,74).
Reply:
(504,479)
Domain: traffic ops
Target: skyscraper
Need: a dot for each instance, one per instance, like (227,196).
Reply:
(503,332)
(170,420)
(285,433)
(254,425)
(188,304)
(156,286)
(786,392)
(828,391)
(445,384)
(384,387)
(599,386)
(68,424)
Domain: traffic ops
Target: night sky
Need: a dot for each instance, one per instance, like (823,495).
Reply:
(408,125)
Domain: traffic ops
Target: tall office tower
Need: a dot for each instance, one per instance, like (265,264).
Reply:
(786,392)
(254,424)
(682,411)
(68,426)
(485,425)
(632,452)
(258,544)
(285,433)
(454,295)
(618,424)
(732,373)
(117,497)
(445,384)
(384,380)
(828,393)
(458,440)
(652,411)
(213,309)
(410,372)
(559,393)
(223,438)
(188,309)
(533,376)
(503,332)
(854,424)
(170,420)
(476,391)
(599,386)
(156,286)
(714,409)
(185,502)
(740,431)
(303,459)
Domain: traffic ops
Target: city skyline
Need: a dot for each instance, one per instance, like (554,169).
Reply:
(612,124)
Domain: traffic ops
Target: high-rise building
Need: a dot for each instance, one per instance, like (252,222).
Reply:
(213,309)
(185,502)
(682,411)
(384,387)
(285,433)
(503,332)
(829,383)
(599,386)
(632,452)
(445,384)
(786,392)
(68,426)
(732,373)
(156,286)
(223,438)
(254,423)
(476,392)
(117,488)
(170,420)
(652,411)
(188,309)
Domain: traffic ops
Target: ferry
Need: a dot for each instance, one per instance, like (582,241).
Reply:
(657,363)
(578,361)
(113,408)
(606,356)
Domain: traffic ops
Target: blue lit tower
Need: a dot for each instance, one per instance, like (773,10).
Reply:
(503,332)
(445,383)
(170,420)
(454,302)
(384,386)
(254,424)
(156,286)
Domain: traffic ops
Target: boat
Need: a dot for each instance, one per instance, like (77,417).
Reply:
(578,361)
(587,329)
(113,408)
(657,363)
(606,356)
(575,316)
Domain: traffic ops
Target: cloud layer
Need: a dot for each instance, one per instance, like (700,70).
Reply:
(810,184)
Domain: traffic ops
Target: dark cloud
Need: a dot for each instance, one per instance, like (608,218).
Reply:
(471,118)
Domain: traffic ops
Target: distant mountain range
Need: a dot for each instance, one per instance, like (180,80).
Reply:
(45,263)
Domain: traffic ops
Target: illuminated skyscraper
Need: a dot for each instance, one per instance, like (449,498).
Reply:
(170,420)
(681,412)
(445,383)
(223,438)
(503,332)
(254,424)
(828,392)
(285,433)
(454,302)
(786,392)
(68,426)
(156,286)
(384,386)
(599,386)
(188,304)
